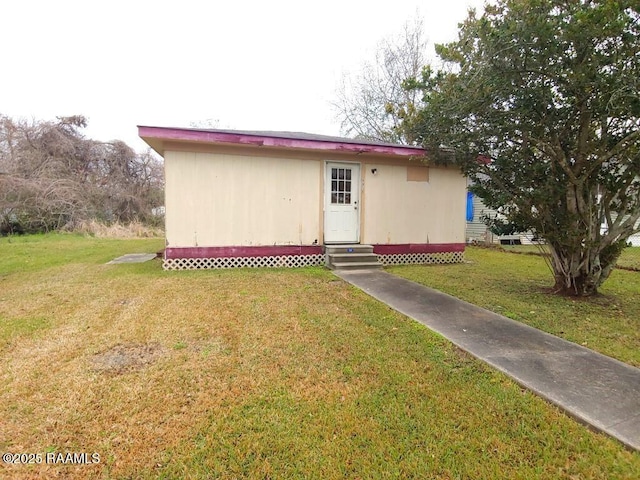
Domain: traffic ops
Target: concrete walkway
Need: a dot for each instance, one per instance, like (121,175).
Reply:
(134,258)
(595,389)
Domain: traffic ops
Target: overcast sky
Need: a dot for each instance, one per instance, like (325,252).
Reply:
(261,65)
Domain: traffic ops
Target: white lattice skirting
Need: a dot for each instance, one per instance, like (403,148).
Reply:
(295,261)
(421,258)
(287,261)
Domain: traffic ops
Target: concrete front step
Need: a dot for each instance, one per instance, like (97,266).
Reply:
(351,257)
(355,265)
(348,248)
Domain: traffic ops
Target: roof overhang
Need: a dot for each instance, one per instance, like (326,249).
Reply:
(158,137)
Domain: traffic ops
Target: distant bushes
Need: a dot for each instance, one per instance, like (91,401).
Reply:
(133,229)
(53,178)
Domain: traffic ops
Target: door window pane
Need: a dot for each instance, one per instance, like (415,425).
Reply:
(341,186)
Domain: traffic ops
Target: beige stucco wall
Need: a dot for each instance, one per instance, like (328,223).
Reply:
(398,211)
(217,199)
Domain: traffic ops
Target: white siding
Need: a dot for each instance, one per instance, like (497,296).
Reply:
(477,231)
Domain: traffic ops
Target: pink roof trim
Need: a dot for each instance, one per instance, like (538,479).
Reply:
(276,140)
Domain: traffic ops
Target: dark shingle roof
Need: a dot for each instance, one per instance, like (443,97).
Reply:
(304,136)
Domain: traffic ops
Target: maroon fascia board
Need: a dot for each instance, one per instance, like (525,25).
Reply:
(265,140)
(219,252)
(285,250)
(418,248)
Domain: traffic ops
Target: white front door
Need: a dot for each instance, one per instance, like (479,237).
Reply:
(342,203)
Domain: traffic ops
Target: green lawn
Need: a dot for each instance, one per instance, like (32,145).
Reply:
(518,286)
(629,259)
(255,374)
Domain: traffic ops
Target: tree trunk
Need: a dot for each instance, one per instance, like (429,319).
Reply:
(581,285)
(580,270)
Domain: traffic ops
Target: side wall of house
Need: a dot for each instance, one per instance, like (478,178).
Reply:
(215,199)
(477,230)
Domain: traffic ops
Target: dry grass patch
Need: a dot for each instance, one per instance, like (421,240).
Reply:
(257,374)
(118,230)
(121,358)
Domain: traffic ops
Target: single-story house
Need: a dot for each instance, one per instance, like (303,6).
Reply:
(246,198)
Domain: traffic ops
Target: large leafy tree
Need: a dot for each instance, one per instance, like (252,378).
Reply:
(539,103)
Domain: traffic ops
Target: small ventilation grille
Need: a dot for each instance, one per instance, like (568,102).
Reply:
(287,261)
(421,258)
